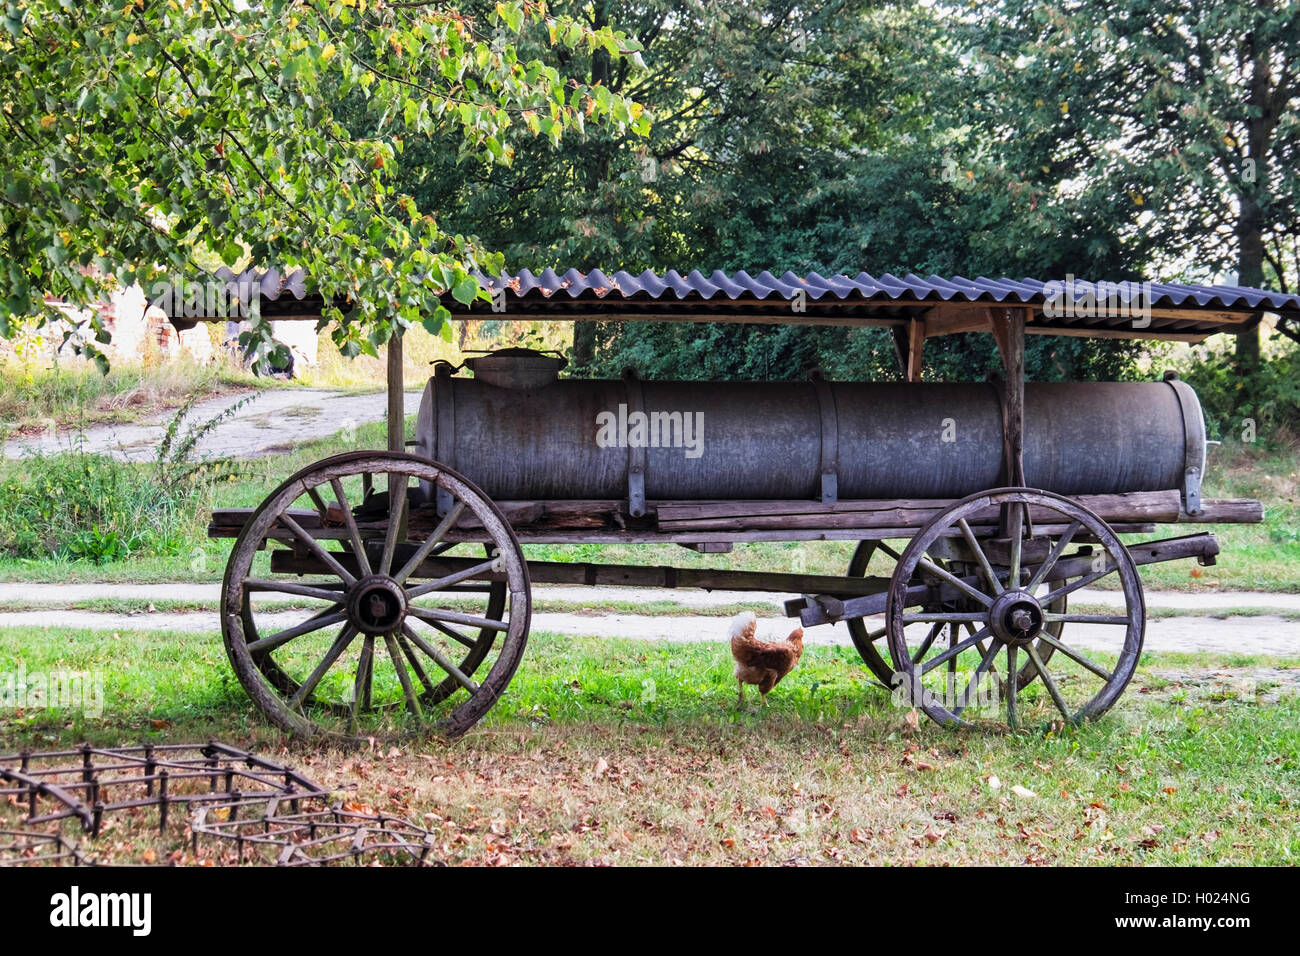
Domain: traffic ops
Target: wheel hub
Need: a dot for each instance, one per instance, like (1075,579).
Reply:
(377,604)
(1016,618)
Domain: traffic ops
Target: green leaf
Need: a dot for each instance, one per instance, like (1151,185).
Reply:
(466,291)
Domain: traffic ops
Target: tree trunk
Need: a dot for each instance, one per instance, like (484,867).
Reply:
(1250,222)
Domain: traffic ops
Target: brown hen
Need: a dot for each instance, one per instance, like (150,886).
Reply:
(762,663)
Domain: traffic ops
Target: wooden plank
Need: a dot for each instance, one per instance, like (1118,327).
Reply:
(577,521)
(951,318)
(619,575)
(1077,332)
(1162,507)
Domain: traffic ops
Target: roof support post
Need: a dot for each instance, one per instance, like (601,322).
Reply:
(1008,327)
(915,348)
(396,395)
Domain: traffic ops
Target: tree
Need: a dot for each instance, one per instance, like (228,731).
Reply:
(1178,122)
(144,136)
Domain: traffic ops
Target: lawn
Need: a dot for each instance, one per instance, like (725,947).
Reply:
(616,751)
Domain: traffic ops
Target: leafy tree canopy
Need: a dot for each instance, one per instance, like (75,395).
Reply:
(145,138)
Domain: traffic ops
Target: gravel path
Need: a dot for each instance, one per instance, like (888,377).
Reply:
(1254,635)
(64,594)
(277,418)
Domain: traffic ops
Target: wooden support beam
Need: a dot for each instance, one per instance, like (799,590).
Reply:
(951,318)
(1008,326)
(396,396)
(915,349)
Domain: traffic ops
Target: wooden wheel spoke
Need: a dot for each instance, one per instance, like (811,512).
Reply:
(972,686)
(451,632)
(926,644)
(980,556)
(354,535)
(440,659)
(292,587)
(1012,682)
(881,546)
(314,623)
(1082,582)
(1049,683)
(337,648)
(1075,655)
(444,583)
(408,691)
(315,548)
(946,617)
(405,644)
(1068,618)
(1054,556)
(396,514)
(1016,530)
(319,503)
(955,581)
(954,650)
(365,673)
(431,542)
(433,615)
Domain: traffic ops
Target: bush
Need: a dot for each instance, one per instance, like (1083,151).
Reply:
(1263,405)
(79,506)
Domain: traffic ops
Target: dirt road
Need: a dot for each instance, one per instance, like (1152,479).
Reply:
(276,419)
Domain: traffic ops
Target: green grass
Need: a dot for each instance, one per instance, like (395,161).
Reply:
(73,394)
(626,751)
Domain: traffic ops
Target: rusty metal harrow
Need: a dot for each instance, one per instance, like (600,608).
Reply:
(270,813)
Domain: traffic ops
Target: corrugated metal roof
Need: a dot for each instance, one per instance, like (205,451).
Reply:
(1176,310)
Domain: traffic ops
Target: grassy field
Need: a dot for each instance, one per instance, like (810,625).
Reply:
(73,394)
(621,752)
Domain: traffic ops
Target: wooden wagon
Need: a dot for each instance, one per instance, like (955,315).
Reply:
(1010,500)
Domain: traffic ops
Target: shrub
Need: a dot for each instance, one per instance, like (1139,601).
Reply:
(87,507)
(1262,405)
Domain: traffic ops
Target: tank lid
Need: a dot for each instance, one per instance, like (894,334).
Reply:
(517,367)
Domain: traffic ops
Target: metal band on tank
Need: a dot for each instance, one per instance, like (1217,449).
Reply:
(1193,442)
(445,395)
(636,452)
(829,466)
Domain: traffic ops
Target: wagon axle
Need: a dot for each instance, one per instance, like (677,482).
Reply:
(377,605)
(1016,618)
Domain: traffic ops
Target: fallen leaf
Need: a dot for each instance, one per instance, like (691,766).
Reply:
(913,719)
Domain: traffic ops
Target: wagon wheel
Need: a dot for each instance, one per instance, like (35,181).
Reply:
(867,632)
(1006,610)
(468,664)
(382,652)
